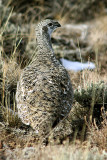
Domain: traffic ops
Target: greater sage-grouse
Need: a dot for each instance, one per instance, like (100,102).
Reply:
(44,92)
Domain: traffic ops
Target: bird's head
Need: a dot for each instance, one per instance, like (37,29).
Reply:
(47,26)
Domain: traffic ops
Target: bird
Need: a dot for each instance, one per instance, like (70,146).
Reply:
(44,92)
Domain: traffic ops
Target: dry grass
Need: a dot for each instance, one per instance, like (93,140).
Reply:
(97,39)
(11,72)
(98,33)
(98,136)
(63,152)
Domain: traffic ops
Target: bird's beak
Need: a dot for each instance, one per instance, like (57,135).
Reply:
(57,24)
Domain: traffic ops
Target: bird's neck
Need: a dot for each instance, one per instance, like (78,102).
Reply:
(44,45)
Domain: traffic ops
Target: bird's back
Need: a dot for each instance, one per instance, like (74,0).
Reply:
(44,93)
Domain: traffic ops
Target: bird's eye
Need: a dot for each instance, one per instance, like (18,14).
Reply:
(50,24)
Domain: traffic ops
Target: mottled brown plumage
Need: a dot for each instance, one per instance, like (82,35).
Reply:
(44,92)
